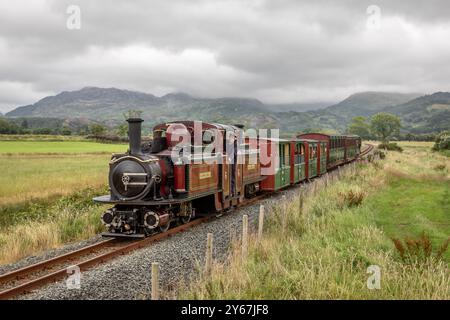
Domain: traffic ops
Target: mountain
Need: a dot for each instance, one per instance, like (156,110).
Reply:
(107,105)
(368,103)
(296,107)
(429,113)
(90,102)
(337,116)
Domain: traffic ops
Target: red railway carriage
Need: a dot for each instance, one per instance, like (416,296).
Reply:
(339,148)
(193,167)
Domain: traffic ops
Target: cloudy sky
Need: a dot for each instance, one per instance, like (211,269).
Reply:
(276,51)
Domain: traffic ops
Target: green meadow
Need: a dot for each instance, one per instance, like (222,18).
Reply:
(46,190)
(392,213)
(58,147)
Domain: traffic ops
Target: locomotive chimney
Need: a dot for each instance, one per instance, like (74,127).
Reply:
(134,134)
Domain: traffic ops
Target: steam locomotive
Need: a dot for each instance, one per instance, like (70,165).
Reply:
(192,168)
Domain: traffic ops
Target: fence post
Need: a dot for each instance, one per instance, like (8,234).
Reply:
(260,222)
(155,281)
(209,251)
(284,213)
(300,202)
(244,236)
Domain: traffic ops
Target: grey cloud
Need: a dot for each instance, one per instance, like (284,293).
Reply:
(278,51)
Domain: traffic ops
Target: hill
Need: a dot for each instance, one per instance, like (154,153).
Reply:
(429,113)
(418,113)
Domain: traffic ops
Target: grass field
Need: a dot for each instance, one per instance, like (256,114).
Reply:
(46,190)
(323,251)
(40,137)
(32,177)
(57,147)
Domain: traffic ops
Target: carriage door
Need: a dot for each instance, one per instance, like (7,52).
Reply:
(233,167)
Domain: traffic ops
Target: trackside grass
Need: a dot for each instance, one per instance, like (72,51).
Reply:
(323,251)
(31,227)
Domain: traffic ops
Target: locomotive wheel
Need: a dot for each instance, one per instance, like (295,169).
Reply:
(164,228)
(185,219)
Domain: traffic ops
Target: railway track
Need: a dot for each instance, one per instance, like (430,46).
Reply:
(36,275)
(369,148)
(25,279)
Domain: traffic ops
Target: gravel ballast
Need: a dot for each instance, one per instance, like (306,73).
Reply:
(179,257)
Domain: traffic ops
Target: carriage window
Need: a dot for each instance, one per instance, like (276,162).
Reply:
(286,154)
(281,151)
(313,152)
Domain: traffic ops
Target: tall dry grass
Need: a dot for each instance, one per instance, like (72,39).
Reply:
(31,229)
(324,250)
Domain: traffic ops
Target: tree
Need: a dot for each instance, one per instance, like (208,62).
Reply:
(8,127)
(97,129)
(442,141)
(42,131)
(360,127)
(385,125)
(24,124)
(122,130)
(65,131)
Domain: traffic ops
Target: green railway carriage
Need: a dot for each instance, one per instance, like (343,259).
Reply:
(337,150)
(278,170)
(352,146)
(323,151)
(313,158)
(298,160)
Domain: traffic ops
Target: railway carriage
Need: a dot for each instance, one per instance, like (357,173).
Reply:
(299,160)
(352,147)
(173,179)
(339,149)
(277,172)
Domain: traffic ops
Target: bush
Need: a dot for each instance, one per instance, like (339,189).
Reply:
(351,198)
(97,129)
(8,127)
(442,141)
(66,131)
(421,249)
(392,146)
(42,131)
(380,154)
(107,138)
(440,167)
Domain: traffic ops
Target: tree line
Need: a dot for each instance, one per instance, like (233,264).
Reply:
(384,126)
